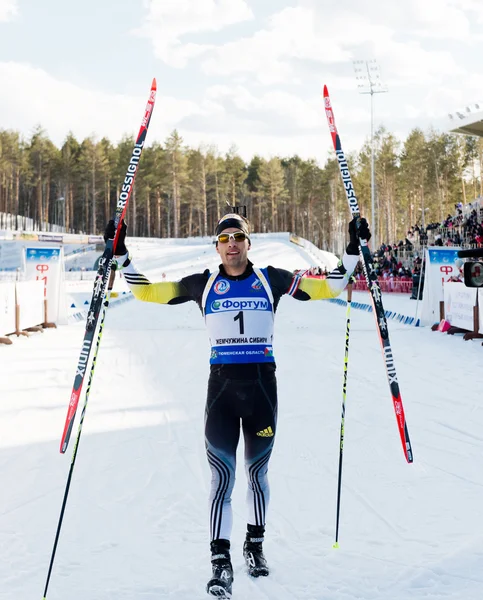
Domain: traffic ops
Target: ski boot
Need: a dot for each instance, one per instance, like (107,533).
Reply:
(253,552)
(220,583)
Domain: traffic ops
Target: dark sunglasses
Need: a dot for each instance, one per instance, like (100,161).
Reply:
(238,236)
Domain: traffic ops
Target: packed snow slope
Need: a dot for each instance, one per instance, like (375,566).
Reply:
(136,523)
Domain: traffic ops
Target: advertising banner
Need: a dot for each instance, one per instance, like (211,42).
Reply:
(58,238)
(46,264)
(441,264)
(459,302)
(95,239)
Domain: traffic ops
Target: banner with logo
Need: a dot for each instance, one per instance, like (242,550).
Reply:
(46,264)
(459,302)
(440,266)
(58,238)
(96,239)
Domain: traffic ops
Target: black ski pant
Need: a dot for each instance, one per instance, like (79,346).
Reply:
(239,397)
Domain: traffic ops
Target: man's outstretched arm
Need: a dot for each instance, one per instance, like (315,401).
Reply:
(162,292)
(335,282)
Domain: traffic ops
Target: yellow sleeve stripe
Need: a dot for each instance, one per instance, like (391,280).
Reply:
(161,292)
(317,289)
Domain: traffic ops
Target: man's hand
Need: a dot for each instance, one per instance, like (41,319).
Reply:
(109,234)
(364,234)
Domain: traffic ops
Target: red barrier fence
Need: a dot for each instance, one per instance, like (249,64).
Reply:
(393,285)
(387,285)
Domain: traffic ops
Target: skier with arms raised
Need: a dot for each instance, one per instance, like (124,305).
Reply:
(238,302)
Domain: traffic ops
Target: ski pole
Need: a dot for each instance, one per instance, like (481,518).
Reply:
(342,422)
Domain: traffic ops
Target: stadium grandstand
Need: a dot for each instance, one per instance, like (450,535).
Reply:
(468,121)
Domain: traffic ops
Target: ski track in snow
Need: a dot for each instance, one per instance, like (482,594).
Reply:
(136,522)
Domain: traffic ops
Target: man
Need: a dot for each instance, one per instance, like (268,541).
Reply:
(238,302)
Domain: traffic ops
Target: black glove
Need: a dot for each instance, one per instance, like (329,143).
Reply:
(363,234)
(110,232)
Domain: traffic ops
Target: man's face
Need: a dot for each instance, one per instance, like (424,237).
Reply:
(233,254)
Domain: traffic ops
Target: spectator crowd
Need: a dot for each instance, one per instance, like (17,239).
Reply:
(399,266)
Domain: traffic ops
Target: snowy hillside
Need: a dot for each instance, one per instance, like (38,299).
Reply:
(136,523)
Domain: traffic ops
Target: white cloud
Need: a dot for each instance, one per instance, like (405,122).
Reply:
(34,97)
(308,38)
(293,111)
(472,6)
(8,10)
(293,34)
(283,110)
(409,63)
(325,39)
(438,19)
(168,21)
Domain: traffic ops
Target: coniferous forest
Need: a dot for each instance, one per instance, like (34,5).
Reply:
(182,191)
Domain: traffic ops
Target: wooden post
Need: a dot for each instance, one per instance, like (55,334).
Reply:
(17,322)
(45,324)
(476,322)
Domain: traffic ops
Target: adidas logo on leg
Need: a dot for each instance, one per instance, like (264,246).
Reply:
(267,432)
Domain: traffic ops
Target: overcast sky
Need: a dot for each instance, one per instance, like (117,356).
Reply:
(244,72)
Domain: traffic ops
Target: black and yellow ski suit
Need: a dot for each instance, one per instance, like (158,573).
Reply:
(242,387)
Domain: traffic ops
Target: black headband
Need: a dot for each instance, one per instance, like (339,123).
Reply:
(232,220)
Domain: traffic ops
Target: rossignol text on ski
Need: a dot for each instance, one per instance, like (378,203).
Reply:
(104,273)
(372,284)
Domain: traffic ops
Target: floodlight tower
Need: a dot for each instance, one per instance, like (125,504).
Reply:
(369,81)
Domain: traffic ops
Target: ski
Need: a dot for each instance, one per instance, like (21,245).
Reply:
(372,284)
(103,275)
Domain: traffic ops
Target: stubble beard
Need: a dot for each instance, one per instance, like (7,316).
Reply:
(236,261)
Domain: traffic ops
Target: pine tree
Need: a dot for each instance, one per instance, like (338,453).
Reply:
(272,182)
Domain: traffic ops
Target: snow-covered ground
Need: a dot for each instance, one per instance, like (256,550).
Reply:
(136,523)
